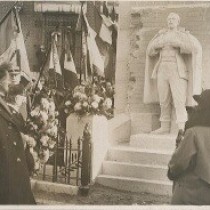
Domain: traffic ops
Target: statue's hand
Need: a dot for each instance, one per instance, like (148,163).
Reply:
(176,44)
(158,45)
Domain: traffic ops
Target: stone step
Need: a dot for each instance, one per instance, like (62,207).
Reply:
(144,122)
(136,185)
(141,171)
(50,187)
(154,142)
(126,153)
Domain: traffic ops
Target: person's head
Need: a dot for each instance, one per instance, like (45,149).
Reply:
(4,77)
(16,95)
(173,20)
(15,75)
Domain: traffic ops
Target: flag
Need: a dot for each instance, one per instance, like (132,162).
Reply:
(105,32)
(114,29)
(54,58)
(55,73)
(12,47)
(95,57)
(21,49)
(70,73)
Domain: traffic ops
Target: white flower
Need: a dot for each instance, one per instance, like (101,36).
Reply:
(108,103)
(76,95)
(83,97)
(85,104)
(68,103)
(94,105)
(44,140)
(51,107)
(44,116)
(97,98)
(53,131)
(31,142)
(80,89)
(35,126)
(51,144)
(35,112)
(44,155)
(66,111)
(77,107)
(45,104)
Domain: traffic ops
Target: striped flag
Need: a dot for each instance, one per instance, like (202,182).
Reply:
(55,73)
(70,73)
(106,31)
(95,57)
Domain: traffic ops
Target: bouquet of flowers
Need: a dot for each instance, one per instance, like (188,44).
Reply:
(41,131)
(91,98)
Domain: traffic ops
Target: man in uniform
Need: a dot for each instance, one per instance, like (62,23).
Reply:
(14,176)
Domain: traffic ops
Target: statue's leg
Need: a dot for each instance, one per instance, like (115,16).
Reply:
(165,99)
(179,95)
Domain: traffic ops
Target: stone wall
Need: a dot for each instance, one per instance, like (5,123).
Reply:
(139,22)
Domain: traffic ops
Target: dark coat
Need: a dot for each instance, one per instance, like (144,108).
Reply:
(190,168)
(15,185)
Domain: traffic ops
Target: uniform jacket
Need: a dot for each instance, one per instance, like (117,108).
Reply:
(15,185)
(189,63)
(190,167)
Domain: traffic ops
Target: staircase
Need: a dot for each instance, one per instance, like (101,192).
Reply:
(140,165)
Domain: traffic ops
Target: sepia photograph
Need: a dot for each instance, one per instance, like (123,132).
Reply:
(104,104)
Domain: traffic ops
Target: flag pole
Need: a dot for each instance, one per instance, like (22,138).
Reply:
(82,57)
(40,75)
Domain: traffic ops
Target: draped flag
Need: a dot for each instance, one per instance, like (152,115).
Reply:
(70,73)
(12,47)
(55,73)
(106,31)
(95,57)
(54,58)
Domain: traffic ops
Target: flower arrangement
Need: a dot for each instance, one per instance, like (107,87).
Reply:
(41,131)
(94,97)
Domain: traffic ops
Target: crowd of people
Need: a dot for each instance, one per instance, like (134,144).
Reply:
(31,116)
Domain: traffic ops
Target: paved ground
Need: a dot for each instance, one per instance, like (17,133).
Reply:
(100,195)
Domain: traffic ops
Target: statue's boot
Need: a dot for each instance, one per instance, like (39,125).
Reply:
(164,129)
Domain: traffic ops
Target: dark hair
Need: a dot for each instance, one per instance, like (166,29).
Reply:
(4,67)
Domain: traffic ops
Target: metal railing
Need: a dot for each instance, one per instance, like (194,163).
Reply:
(69,164)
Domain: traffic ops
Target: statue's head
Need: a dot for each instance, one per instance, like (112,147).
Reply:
(173,20)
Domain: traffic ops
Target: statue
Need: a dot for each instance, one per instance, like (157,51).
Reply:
(173,72)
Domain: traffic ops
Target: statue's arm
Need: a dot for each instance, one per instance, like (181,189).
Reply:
(185,43)
(154,47)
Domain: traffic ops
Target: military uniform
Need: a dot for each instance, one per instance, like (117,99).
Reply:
(14,176)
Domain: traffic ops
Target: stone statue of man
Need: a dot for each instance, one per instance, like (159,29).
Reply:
(173,72)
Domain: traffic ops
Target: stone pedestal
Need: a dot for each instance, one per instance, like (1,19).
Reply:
(99,137)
